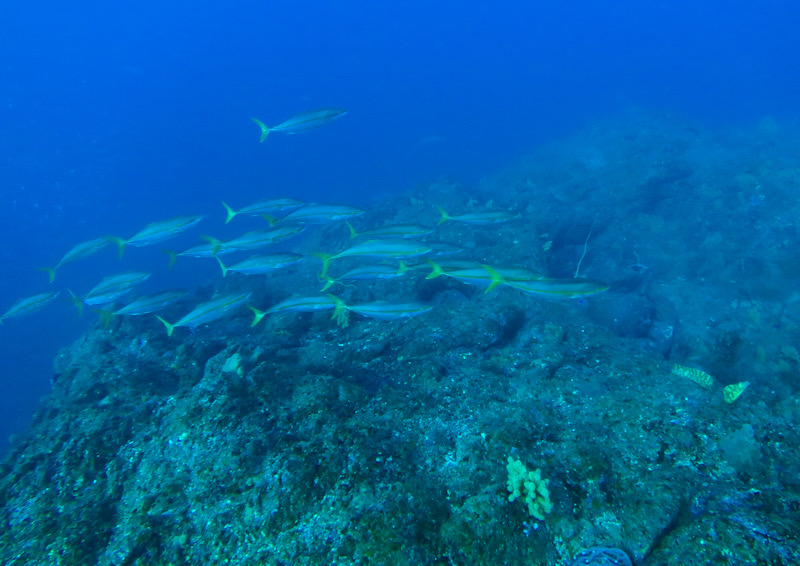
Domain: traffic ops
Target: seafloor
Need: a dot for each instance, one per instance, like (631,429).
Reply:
(302,441)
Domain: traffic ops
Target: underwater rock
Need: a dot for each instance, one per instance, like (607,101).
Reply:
(626,315)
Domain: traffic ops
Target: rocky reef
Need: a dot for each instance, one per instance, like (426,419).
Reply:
(307,440)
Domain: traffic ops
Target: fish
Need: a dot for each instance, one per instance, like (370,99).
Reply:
(28,305)
(77,252)
(386,310)
(256,239)
(114,286)
(207,249)
(150,303)
(446,265)
(386,249)
(208,311)
(392,231)
(559,288)
(158,231)
(481,275)
(317,214)
(269,206)
(443,249)
(367,272)
(480,218)
(301,122)
(259,264)
(517,274)
(246,242)
(298,304)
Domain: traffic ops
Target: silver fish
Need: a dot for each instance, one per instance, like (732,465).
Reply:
(259,264)
(385,310)
(318,214)
(367,272)
(28,305)
(269,206)
(151,303)
(159,231)
(298,304)
(480,218)
(208,311)
(114,286)
(301,122)
(386,249)
(392,231)
(255,239)
(77,252)
(559,288)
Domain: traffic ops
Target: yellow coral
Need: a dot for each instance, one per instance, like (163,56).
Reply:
(531,485)
(700,377)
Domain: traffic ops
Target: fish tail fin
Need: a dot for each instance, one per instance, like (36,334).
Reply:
(120,244)
(214,242)
(497,279)
(169,327)
(106,316)
(339,307)
(257,315)
(221,266)
(230,212)
(402,268)
(264,129)
(445,217)
(51,272)
(328,282)
(272,221)
(353,233)
(78,302)
(436,270)
(172,257)
(326,262)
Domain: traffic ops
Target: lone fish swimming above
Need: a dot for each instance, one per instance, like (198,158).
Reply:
(301,122)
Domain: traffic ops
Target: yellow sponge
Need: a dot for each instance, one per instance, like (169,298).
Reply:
(531,485)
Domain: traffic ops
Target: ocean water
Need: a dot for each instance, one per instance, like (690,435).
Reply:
(115,116)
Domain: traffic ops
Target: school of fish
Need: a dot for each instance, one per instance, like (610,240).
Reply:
(383,252)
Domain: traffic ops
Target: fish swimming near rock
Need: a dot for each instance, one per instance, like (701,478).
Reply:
(298,304)
(144,305)
(367,272)
(383,249)
(302,122)
(559,288)
(260,264)
(150,303)
(389,310)
(480,218)
(207,312)
(28,305)
(481,275)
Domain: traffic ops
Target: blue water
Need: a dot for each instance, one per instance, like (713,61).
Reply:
(113,116)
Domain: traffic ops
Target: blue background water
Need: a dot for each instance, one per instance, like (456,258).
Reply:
(114,116)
